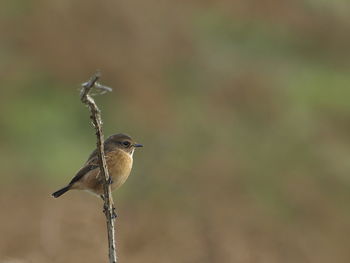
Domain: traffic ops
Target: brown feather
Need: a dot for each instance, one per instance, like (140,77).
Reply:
(119,165)
(119,149)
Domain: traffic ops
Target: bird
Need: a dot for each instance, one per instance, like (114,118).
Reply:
(119,150)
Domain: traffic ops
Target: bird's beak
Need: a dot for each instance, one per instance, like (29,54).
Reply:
(138,145)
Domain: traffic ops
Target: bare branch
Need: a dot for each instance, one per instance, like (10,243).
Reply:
(97,122)
(103,88)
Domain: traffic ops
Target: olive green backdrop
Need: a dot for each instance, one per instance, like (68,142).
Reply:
(243,108)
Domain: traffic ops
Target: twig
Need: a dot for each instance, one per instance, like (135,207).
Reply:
(97,122)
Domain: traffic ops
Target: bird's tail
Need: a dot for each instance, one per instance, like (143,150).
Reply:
(61,191)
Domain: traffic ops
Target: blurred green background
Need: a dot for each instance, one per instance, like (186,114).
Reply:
(243,108)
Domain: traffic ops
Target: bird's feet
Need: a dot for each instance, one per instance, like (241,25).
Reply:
(110,181)
(113,214)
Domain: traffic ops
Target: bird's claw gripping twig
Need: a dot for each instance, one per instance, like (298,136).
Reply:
(110,180)
(114,213)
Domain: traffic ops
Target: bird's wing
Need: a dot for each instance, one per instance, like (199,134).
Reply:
(93,157)
(91,164)
(84,170)
(107,149)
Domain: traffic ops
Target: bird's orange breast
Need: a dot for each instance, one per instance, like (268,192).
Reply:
(119,167)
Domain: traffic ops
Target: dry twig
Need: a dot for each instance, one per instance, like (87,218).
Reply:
(97,122)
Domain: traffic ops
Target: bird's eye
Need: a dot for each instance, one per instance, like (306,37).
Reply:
(126,143)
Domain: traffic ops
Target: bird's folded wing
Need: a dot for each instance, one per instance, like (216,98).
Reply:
(87,168)
(91,164)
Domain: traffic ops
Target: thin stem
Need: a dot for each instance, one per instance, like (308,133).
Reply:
(97,122)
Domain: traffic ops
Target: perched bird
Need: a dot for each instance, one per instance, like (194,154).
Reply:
(119,150)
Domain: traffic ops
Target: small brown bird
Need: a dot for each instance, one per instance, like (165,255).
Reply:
(119,150)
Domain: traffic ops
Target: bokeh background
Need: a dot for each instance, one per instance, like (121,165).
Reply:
(243,108)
